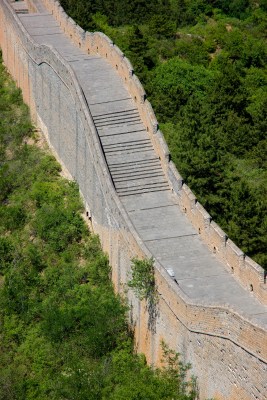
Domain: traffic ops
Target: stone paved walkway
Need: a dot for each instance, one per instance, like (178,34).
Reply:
(139,179)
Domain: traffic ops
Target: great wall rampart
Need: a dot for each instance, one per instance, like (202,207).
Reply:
(223,337)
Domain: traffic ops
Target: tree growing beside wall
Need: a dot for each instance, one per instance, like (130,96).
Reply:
(144,286)
(143,279)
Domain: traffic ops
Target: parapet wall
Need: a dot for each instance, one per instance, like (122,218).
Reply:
(211,337)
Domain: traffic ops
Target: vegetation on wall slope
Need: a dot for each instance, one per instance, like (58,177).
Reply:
(203,64)
(63,331)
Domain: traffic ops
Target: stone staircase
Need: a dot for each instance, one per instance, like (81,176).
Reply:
(132,162)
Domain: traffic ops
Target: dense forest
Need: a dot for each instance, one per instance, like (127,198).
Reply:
(63,331)
(203,65)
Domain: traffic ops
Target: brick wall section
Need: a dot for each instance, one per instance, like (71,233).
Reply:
(228,352)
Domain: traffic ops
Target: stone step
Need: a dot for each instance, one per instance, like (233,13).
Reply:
(127,164)
(129,156)
(141,183)
(123,137)
(111,106)
(118,121)
(136,173)
(117,114)
(143,176)
(123,193)
(131,141)
(121,130)
(128,148)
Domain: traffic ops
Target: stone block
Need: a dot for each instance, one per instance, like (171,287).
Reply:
(217,239)
(175,178)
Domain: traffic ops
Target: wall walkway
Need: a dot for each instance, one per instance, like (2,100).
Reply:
(83,94)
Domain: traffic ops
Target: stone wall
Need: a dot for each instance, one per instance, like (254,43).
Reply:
(228,352)
(251,275)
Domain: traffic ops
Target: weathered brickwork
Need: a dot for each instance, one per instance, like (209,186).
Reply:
(227,351)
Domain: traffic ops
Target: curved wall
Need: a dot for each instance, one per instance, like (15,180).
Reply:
(228,352)
(246,271)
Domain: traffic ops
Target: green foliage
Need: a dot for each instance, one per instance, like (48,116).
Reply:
(137,51)
(175,371)
(130,378)
(162,27)
(192,49)
(235,8)
(143,279)
(58,227)
(181,81)
(116,11)
(6,253)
